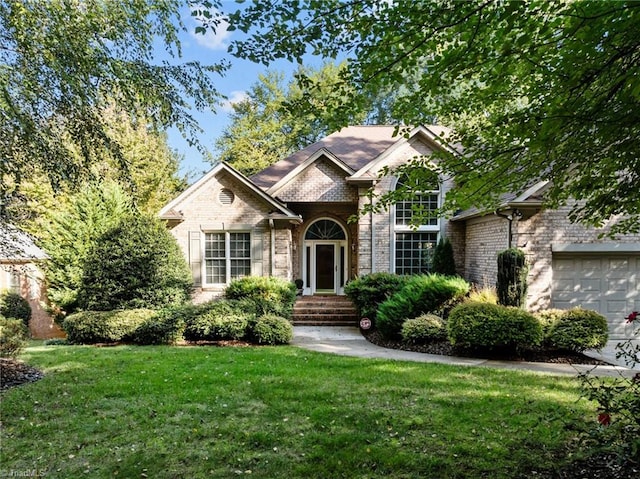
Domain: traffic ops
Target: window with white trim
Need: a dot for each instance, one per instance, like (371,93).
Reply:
(414,244)
(227,256)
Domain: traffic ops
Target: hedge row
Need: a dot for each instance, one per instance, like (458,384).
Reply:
(492,327)
(215,321)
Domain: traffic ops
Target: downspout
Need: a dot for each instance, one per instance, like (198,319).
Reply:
(373,239)
(509,218)
(272,248)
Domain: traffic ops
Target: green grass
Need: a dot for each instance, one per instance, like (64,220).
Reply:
(190,412)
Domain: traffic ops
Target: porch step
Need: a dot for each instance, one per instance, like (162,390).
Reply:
(324,311)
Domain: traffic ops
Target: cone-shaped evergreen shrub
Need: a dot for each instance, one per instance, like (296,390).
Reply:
(512,278)
(443,262)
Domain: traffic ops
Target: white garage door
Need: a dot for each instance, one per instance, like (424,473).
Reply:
(609,284)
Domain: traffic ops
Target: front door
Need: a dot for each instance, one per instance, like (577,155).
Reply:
(325,268)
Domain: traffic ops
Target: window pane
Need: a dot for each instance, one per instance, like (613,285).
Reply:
(240,268)
(422,204)
(240,245)
(414,252)
(214,245)
(216,271)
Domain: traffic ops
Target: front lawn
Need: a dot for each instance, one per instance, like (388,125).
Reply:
(178,412)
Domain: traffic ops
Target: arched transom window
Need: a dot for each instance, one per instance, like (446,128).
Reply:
(414,243)
(325,230)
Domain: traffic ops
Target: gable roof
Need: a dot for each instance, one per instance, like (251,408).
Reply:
(433,134)
(18,246)
(532,197)
(171,212)
(354,146)
(321,153)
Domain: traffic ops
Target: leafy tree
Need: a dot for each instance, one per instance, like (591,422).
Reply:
(73,230)
(277,119)
(136,264)
(62,61)
(269,125)
(533,90)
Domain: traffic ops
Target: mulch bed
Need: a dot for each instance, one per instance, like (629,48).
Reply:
(445,348)
(14,373)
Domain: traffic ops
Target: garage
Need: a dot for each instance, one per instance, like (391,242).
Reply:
(607,282)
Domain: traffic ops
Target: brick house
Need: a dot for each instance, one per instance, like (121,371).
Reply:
(292,221)
(20,272)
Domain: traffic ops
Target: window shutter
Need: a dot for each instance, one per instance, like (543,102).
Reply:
(195,257)
(256,253)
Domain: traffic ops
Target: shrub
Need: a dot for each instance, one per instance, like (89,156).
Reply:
(216,321)
(268,293)
(13,337)
(90,327)
(512,278)
(492,327)
(424,329)
(12,305)
(618,425)
(578,329)
(547,319)
(165,327)
(485,294)
(137,264)
(272,329)
(369,291)
(422,294)
(443,261)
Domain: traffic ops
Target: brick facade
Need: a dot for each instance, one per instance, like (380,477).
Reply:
(31,287)
(538,234)
(321,182)
(203,212)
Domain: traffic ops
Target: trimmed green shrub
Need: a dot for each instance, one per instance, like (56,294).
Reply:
(369,291)
(422,294)
(137,264)
(272,329)
(512,278)
(492,327)
(90,327)
(269,294)
(12,305)
(165,327)
(578,329)
(548,318)
(443,261)
(218,320)
(13,337)
(424,329)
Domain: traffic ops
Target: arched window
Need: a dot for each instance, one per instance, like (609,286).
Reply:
(414,243)
(325,230)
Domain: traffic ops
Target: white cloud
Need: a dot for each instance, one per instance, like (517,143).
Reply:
(236,96)
(215,37)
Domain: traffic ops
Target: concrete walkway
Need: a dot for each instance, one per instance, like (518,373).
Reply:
(347,341)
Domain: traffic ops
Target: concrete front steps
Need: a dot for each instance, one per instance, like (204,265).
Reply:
(324,311)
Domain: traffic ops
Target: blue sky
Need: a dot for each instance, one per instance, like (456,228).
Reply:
(211,49)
